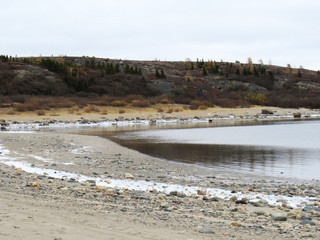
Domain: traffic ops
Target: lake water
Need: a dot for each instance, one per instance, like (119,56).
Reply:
(289,149)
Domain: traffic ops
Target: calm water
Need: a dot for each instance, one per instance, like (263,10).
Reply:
(290,149)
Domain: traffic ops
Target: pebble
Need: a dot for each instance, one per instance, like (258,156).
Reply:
(129,176)
(281,218)
(259,212)
(206,230)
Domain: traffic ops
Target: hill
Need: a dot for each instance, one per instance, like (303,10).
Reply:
(103,81)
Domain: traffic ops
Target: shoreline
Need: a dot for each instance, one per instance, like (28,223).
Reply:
(183,201)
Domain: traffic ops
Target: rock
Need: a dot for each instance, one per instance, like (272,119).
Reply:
(280,218)
(259,212)
(306,220)
(206,230)
(129,176)
(35,184)
(236,224)
(174,193)
(164,205)
(214,199)
(181,194)
(310,208)
(297,115)
(233,198)
(201,192)
(265,111)
(242,201)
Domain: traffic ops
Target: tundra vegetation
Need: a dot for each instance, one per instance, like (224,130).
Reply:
(39,83)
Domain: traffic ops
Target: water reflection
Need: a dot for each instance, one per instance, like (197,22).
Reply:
(271,161)
(290,149)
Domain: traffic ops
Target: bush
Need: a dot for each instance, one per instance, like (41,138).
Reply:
(133,97)
(118,103)
(140,103)
(165,101)
(41,113)
(91,108)
(193,107)
(122,111)
(203,107)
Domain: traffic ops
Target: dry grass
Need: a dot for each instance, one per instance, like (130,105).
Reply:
(140,103)
(118,103)
(122,111)
(91,108)
(41,113)
(165,101)
(203,107)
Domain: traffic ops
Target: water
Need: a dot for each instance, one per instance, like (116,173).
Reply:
(289,149)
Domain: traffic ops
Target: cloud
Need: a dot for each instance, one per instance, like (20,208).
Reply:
(144,29)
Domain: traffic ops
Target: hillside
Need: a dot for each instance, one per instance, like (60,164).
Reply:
(141,83)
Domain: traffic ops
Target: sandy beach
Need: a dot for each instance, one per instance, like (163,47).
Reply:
(55,185)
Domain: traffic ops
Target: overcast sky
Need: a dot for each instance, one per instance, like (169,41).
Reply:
(281,31)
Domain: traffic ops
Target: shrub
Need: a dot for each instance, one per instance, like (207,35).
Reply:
(41,113)
(203,107)
(132,97)
(160,110)
(122,111)
(170,110)
(118,103)
(91,108)
(140,103)
(165,101)
(193,107)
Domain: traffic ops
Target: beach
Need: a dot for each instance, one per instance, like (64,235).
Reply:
(57,185)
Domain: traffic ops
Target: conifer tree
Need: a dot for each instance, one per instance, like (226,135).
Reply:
(299,74)
(162,75)
(157,74)
(117,68)
(204,71)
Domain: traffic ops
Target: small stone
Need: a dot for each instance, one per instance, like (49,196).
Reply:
(162,196)
(259,212)
(280,218)
(164,205)
(242,201)
(236,224)
(35,184)
(233,198)
(129,176)
(174,193)
(201,192)
(206,230)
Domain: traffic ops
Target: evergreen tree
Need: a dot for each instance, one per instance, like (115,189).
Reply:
(299,74)
(117,68)
(157,74)
(162,75)
(192,66)
(204,71)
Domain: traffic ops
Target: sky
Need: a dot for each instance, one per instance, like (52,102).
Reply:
(280,32)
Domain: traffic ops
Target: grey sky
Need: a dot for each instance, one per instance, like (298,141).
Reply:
(283,31)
